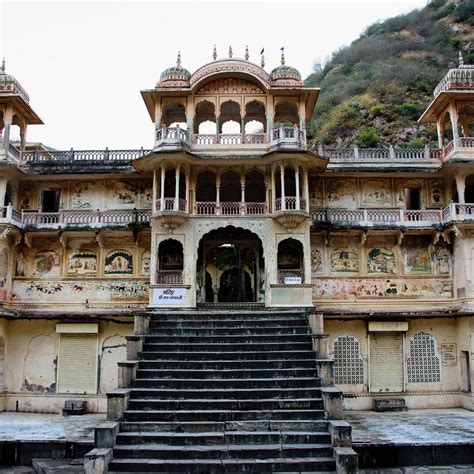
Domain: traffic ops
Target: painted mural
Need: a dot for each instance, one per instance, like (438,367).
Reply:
(316,192)
(345,259)
(46,264)
(118,262)
(341,192)
(83,263)
(77,291)
(417,254)
(86,195)
(436,193)
(26,199)
(145,263)
(147,198)
(316,261)
(381,260)
(440,260)
(376,192)
(123,194)
(349,288)
(21,264)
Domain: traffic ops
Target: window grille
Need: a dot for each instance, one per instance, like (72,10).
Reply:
(423,364)
(348,364)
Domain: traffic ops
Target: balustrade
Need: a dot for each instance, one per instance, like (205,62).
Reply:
(235,208)
(169,277)
(290,204)
(460,79)
(169,204)
(14,151)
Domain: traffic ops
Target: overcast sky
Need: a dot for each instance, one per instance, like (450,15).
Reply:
(84,63)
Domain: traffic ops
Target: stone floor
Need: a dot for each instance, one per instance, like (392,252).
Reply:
(44,427)
(440,426)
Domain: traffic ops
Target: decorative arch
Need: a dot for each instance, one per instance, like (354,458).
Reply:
(348,363)
(290,260)
(118,262)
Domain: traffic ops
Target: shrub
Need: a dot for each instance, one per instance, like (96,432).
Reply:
(377,109)
(415,143)
(367,138)
(407,109)
(455,42)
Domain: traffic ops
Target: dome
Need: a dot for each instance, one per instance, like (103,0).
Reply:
(284,72)
(175,73)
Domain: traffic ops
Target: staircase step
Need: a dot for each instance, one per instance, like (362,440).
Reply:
(222,384)
(229,331)
(220,346)
(229,339)
(226,404)
(222,323)
(262,451)
(226,364)
(223,437)
(227,315)
(227,355)
(225,374)
(218,466)
(226,415)
(210,394)
(246,426)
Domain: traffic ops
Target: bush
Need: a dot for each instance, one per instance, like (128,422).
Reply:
(455,42)
(415,143)
(367,138)
(407,109)
(377,109)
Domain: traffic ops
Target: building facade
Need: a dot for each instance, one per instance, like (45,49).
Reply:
(232,208)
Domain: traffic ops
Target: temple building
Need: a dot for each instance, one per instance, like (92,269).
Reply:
(231,211)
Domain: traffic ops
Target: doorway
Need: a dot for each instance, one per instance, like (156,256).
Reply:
(50,200)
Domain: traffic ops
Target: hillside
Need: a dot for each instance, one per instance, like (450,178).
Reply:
(373,91)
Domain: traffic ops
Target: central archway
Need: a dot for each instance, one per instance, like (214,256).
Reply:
(230,267)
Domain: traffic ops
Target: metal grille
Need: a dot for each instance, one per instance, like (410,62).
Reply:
(423,364)
(348,365)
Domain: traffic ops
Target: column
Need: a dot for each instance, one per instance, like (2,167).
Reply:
(187,190)
(460,187)
(242,193)
(23,137)
(162,189)
(440,130)
(454,123)
(306,189)
(217,129)
(297,185)
(155,184)
(273,189)
(176,188)
(282,181)
(190,128)
(218,194)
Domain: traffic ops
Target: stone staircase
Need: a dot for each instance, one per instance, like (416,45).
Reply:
(223,392)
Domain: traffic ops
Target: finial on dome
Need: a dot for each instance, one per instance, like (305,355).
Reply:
(282,49)
(3,64)
(230,52)
(178,60)
(461,59)
(214,53)
(246,53)
(262,58)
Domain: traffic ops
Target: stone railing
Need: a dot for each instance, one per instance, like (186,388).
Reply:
(168,204)
(169,277)
(393,217)
(291,204)
(71,155)
(237,208)
(171,137)
(230,139)
(9,85)
(81,218)
(460,79)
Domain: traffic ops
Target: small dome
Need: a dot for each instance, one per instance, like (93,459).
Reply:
(285,73)
(175,73)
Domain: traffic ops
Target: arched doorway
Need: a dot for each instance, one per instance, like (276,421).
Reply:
(290,262)
(170,262)
(231,267)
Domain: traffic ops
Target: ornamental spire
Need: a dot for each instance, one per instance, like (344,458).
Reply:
(247,53)
(461,59)
(178,60)
(282,49)
(214,53)
(3,64)
(230,52)
(262,58)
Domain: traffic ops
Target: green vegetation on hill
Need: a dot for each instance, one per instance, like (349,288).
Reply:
(373,91)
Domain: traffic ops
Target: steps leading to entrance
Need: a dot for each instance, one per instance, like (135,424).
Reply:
(225,392)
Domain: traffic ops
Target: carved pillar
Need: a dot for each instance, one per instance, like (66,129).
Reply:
(176,188)
(186,195)
(273,189)
(440,130)
(242,192)
(454,123)
(297,185)
(218,193)
(7,122)
(242,128)
(155,184)
(162,189)
(460,187)
(282,181)
(306,189)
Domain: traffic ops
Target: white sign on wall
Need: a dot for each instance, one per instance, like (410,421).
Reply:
(293,280)
(167,296)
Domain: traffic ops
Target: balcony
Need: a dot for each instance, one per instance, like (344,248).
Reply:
(172,212)
(290,211)
(460,80)
(73,218)
(458,149)
(235,209)
(175,138)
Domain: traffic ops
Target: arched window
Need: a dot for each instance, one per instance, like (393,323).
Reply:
(206,187)
(348,363)
(170,262)
(290,262)
(255,187)
(174,115)
(286,113)
(423,365)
